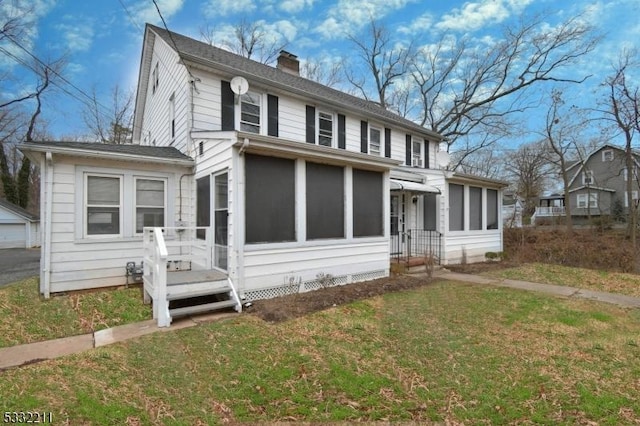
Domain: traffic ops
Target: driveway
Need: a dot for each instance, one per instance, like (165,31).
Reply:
(17,264)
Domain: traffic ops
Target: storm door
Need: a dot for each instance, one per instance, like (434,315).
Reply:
(220,220)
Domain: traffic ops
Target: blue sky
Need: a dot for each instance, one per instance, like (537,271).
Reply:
(101,39)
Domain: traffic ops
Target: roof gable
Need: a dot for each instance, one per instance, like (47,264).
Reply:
(214,58)
(17,210)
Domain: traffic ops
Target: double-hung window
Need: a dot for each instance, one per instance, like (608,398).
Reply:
(150,203)
(587,177)
(374,140)
(416,152)
(325,128)
(250,107)
(588,201)
(103,205)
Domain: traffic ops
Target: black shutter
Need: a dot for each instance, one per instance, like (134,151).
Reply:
(342,134)
(228,100)
(272,115)
(387,143)
(408,150)
(426,154)
(364,137)
(311,124)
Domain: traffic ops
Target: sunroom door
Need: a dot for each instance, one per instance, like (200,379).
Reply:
(220,220)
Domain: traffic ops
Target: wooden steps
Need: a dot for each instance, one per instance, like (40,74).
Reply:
(198,309)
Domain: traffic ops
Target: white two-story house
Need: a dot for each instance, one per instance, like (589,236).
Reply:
(295,180)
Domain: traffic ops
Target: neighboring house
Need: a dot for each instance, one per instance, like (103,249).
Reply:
(512,208)
(597,188)
(296,180)
(18,227)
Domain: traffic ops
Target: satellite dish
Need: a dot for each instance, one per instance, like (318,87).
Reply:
(239,85)
(443,158)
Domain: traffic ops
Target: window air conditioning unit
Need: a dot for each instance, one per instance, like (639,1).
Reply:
(416,162)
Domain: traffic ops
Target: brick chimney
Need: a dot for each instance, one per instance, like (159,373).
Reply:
(288,62)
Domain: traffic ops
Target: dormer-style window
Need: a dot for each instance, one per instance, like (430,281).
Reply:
(250,107)
(325,128)
(607,155)
(587,177)
(416,153)
(155,79)
(374,140)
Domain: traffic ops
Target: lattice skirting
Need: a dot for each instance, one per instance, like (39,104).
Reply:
(284,290)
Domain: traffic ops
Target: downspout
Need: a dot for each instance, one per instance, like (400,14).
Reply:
(48,231)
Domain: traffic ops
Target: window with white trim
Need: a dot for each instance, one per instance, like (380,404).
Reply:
(250,112)
(592,201)
(325,128)
(103,205)
(587,177)
(625,172)
(634,197)
(155,79)
(416,152)
(150,203)
(374,140)
(607,155)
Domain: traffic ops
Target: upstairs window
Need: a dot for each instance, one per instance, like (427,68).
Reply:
(325,128)
(250,107)
(374,140)
(634,197)
(155,80)
(416,153)
(607,155)
(587,177)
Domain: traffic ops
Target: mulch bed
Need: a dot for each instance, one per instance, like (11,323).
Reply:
(297,305)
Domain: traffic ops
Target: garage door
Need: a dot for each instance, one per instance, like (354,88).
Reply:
(12,235)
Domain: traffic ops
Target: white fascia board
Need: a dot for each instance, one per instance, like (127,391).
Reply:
(114,156)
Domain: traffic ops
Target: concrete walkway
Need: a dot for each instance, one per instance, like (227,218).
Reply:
(50,349)
(15,356)
(556,290)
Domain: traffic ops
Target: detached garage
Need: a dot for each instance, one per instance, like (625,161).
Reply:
(18,227)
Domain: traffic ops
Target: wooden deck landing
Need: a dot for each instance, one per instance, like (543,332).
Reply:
(190,277)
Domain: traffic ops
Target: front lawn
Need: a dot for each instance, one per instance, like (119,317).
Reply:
(25,317)
(446,352)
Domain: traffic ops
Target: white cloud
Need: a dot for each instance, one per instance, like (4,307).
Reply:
(420,24)
(475,15)
(348,16)
(77,37)
(228,7)
(294,6)
(145,11)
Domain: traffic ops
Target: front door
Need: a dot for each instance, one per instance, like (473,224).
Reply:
(397,224)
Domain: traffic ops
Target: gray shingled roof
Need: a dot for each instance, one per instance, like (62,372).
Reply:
(165,152)
(18,210)
(215,57)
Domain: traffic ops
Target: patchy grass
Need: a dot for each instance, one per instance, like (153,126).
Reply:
(25,317)
(614,282)
(447,352)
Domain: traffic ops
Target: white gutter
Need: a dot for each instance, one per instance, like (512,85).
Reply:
(47,222)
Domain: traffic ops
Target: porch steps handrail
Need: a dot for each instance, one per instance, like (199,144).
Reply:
(156,260)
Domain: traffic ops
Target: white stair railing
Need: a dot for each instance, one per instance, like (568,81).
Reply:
(155,274)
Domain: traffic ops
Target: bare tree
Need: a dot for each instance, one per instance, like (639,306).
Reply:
(322,70)
(250,40)
(528,167)
(623,110)
(471,92)
(115,125)
(383,60)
